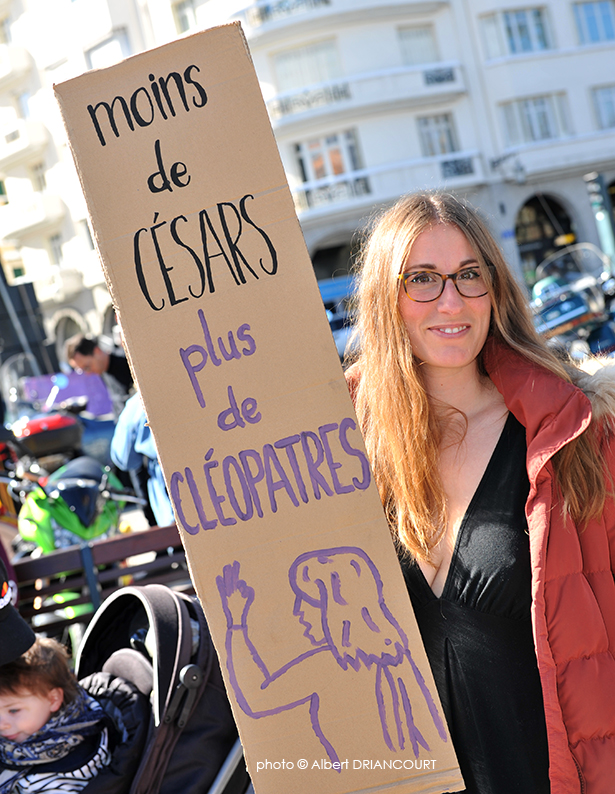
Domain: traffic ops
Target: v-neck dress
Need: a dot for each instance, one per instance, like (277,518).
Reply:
(478,634)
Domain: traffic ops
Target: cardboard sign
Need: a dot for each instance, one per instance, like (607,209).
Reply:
(226,333)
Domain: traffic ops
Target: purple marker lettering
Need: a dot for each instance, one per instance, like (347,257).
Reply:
(253,477)
(249,412)
(215,497)
(244,336)
(230,418)
(288,444)
(333,465)
(232,352)
(227,463)
(270,457)
(177,478)
(316,478)
(196,498)
(208,341)
(185,354)
(345,424)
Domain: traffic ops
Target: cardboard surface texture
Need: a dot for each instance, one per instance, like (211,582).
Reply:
(227,336)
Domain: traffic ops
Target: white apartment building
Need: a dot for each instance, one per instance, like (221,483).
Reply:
(507,103)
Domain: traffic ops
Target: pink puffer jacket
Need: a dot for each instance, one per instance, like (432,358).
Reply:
(573,585)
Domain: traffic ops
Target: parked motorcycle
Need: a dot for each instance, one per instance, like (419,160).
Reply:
(79,502)
(571,301)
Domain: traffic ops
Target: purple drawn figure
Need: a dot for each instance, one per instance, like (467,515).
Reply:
(340,604)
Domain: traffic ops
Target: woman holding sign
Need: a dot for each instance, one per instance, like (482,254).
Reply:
(493,461)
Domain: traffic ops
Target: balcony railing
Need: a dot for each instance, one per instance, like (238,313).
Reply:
(21,141)
(564,155)
(15,64)
(405,86)
(260,16)
(382,183)
(27,216)
(260,13)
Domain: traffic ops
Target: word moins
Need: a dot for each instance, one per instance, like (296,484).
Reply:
(169,93)
(219,240)
(252,481)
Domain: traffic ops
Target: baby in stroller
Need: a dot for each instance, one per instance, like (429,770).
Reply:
(54,736)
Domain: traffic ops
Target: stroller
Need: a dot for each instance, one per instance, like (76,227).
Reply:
(158,640)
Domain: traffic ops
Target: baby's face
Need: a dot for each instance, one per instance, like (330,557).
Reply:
(25,713)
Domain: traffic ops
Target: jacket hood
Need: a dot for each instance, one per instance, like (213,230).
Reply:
(596,379)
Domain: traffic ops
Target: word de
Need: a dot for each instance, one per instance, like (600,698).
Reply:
(219,240)
(195,357)
(140,108)
(233,417)
(178,170)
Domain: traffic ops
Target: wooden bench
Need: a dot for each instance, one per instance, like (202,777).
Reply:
(92,572)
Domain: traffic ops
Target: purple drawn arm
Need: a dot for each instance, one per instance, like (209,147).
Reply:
(237,597)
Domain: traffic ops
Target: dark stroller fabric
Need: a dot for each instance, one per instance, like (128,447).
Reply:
(159,640)
(127,713)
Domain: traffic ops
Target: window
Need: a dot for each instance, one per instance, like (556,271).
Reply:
(185,16)
(4,199)
(5,30)
(535,119)
(55,246)
(418,45)
(437,134)
(84,228)
(303,66)
(604,102)
(38,177)
(111,51)
(595,21)
(515,32)
(329,157)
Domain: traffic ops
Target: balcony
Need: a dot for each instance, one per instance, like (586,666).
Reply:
(567,156)
(397,88)
(15,64)
(383,183)
(28,216)
(22,141)
(261,18)
(58,284)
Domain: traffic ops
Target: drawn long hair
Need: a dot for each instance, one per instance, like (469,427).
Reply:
(402,430)
(344,585)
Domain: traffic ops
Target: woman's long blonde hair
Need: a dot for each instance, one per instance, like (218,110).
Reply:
(401,429)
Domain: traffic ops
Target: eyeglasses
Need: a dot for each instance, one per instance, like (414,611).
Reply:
(427,285)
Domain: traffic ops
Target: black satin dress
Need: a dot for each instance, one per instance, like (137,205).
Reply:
(478,634)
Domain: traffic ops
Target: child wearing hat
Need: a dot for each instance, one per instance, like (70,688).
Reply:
(53,735)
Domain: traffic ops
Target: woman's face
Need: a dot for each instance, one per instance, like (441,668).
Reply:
(447,333)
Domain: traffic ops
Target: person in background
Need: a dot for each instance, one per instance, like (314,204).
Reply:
(85,354)
(132,445)
(494,461)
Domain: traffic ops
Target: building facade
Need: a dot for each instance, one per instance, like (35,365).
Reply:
(507,104)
